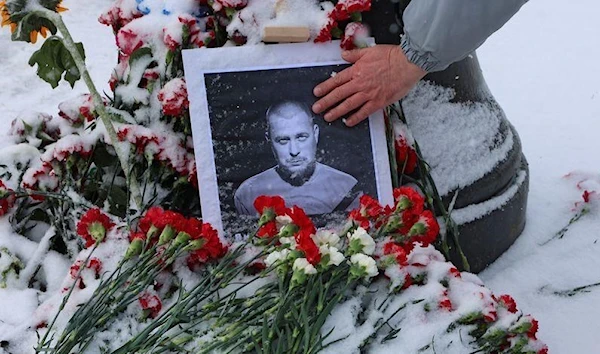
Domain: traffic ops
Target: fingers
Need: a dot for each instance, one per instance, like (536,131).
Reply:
(338,94)
(352,56)
(366,110)
(349,104)
(338,80)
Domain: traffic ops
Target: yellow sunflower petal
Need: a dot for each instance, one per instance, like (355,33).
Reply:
(43,31)
(60,8)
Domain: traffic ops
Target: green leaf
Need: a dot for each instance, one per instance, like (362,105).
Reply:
(53,60)
(138,54)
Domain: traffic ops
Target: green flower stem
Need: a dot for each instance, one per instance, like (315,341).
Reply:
(111,298)
(429,188)
(99,107)
(44,343)
(561,233)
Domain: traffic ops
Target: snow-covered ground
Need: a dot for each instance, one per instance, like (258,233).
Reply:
(542,69)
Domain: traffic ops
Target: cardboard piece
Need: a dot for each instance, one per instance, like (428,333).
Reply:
(282,34)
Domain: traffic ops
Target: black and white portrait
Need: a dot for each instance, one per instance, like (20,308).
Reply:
(265,140)
(297,175)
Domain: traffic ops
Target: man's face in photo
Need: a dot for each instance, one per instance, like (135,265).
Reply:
(294,138)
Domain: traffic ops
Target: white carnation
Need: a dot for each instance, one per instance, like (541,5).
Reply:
(335,256)
(302,264)
(288,241)
(365,240)
(365,262)
(276,256)
(326,237)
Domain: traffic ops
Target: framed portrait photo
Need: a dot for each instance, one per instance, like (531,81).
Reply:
(255,134)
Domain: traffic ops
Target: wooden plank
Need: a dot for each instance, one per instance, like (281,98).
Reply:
(285,34)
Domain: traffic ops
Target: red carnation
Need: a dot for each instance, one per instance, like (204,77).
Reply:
(74,271)
(455,272)
(426,229)
(7,198)
(445,304)
(268,230)
(96,265)
(305,243)
(150,304)
(325,32)
(392,248)
(370,207)
(268,207)
(204,243)
(301,220)
(174,97)
(357,5)
(532,331)
(408,199)
(339,12)
(354,34)
(128,41)
(490,316)
(406,156)
(357,217)
(93,226)
(157,219)
(508,302)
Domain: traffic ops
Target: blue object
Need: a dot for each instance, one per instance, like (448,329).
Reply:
(142,8)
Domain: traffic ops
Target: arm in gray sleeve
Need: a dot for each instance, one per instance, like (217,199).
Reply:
(441,32)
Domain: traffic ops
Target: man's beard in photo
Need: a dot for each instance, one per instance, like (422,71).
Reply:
(298,178)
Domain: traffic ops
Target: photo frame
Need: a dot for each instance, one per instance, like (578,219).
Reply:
(254,134)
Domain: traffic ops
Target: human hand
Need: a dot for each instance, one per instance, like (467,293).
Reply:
(379,76)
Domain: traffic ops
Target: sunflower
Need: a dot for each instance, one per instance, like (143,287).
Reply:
(13,13)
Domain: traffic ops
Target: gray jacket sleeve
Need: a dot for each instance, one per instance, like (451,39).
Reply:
(441,32)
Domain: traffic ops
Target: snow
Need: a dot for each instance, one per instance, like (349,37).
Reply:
(455,139)
(546,81)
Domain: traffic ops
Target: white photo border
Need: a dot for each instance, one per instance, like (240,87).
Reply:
(198,62)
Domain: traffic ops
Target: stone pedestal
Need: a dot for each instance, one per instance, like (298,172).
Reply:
(472,148)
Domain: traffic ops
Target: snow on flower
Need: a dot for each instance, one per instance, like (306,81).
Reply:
(174,97)
(68,146)
(41,178)
(141,137)
(355,35)
(78,109)
(119,14)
